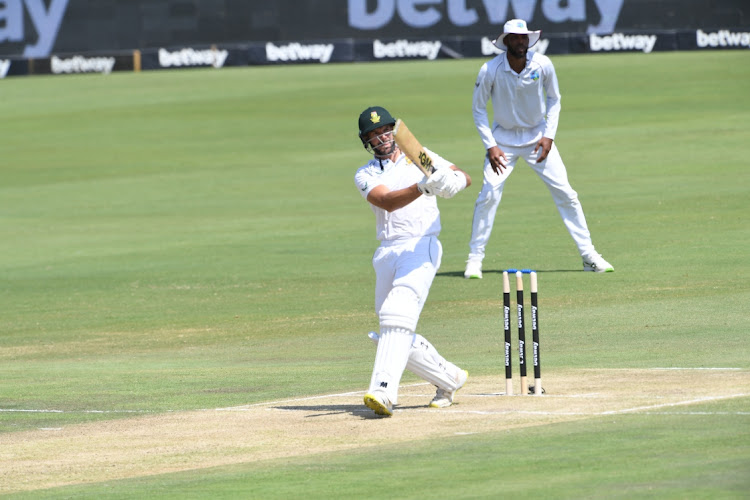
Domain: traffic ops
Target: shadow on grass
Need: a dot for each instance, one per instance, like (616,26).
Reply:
(460,274)
(354,410)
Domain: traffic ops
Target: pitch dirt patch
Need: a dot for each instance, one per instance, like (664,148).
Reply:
(171,442)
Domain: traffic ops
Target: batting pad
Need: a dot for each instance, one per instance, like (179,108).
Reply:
(426,362)
(390,361)
(400,309)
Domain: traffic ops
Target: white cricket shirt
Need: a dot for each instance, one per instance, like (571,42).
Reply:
(520,101)
(420,217)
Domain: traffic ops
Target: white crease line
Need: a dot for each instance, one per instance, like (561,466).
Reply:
(679,403)
(531,396)
(11,410)
(309,398)
(696,413)
(287,401)
(361,393)
(567,414)
(716,368)
(355,393)
(506,412)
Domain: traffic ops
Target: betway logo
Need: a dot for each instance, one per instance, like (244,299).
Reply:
(427,13)
(46,22)
(299,52)
(4,67)
(80,64)
(618,41)
(489,48)
(723,38)
(404,48)
(192,57)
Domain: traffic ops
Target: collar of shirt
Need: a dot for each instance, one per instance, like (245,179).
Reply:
(383,165)
(506,64)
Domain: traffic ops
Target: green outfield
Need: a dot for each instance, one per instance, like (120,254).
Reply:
(186,288)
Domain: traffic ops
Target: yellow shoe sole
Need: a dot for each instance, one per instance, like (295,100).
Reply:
(375,405)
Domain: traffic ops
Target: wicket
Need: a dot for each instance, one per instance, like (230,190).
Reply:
(521,333)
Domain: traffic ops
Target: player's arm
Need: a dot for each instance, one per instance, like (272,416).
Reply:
(480,99)
(447,179)
(388,200)
(461,180)
(552,92)
(382,196)
(468,177)
(553,97)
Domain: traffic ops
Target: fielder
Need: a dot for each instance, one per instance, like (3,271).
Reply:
(525,97)
(407,224)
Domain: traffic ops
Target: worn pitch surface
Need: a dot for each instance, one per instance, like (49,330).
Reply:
(149,444)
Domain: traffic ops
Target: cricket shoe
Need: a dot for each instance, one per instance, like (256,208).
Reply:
(473,270)
(444,398)
(379,403)
(597,264)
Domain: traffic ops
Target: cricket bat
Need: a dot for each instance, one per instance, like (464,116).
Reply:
(412,148)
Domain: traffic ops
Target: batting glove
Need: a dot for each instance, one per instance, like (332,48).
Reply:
(449,183)
(453,185)
(437,181)
(424,188)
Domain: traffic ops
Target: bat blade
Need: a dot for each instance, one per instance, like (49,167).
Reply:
(412,148)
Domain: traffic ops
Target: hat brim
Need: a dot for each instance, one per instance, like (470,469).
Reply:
(534,37)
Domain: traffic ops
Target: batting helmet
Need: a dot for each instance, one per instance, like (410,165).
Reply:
(372,118)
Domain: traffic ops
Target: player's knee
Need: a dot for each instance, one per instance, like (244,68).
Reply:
(489,196)
(566,198)
(400,309)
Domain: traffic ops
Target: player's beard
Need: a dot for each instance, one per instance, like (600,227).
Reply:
(385,147)
(518,51)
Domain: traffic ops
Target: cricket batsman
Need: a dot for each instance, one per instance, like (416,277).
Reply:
(407,224)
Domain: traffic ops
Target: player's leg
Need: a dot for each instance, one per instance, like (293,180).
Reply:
(485,209)
(384,263)
(414,269)
(552,171)
(426,362)
(391,355)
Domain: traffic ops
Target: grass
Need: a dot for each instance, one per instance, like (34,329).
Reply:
(557,461)
(179,240)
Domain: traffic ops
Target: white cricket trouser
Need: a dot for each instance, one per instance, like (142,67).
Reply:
(552,172)
(409,263)
(404,271)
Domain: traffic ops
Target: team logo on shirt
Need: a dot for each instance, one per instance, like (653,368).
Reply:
(374,117)
(534,75)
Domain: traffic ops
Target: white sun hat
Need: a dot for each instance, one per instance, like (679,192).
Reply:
(518,27)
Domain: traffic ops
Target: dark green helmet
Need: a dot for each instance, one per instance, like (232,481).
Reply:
(372,118)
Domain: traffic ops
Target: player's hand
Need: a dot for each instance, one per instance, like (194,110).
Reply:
(545,145)
(453,184)
(424,188)
(497,159)
(438,179)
